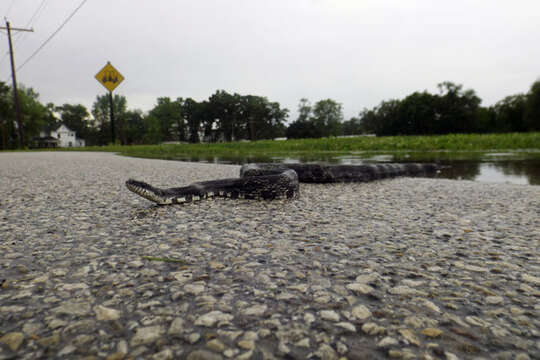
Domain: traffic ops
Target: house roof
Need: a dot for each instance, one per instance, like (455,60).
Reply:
(63,126)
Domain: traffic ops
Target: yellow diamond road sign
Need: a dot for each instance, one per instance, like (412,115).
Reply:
(109,77)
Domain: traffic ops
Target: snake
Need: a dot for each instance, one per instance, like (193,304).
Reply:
(269,181)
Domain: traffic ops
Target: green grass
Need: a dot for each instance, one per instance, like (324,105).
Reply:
(321,149)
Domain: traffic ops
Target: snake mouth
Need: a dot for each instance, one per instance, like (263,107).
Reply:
(147,191)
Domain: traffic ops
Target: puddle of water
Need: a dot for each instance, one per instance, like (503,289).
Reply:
(503,167)
(525,172)
(489,173)
(497,155)
(377,158)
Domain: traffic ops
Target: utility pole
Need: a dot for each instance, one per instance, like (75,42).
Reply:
(14,79)
(111,104)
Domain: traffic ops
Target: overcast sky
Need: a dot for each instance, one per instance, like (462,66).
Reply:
(357,52)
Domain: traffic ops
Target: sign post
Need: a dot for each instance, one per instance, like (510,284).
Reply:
(110,78)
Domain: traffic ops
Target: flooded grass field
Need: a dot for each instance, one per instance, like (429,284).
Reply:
(501,158)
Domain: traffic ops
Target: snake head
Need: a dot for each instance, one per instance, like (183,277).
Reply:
(148,192)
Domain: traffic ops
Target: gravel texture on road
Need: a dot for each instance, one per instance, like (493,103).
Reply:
(405,268)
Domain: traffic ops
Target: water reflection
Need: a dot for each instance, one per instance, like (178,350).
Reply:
(518,169)
(490,173)
(461,170)
(487,167)
(514,172)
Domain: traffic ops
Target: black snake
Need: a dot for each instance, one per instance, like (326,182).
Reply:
(275,181)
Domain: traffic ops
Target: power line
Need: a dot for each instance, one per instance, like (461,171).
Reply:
(35,13)
(9,8)
(52,35)
(21,35)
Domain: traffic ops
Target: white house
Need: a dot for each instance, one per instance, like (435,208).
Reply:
(67,137)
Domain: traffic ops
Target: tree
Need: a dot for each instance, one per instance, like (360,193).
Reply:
(168,114)
(302,127)
(452,111)
(385,118)
(35,114)
(101,114)
(368,121)
(353,126)
(272,124)
(323,119)
(234,117)
(417,114)
(532,108)
(77,118)
(133,127)
(152,130)
(194,114)
(485,120)
(259,118)
(304,110)
(510,114)
(224,108)
(51,121)
(327,117)
(301,130)
(456,109)
(7,136)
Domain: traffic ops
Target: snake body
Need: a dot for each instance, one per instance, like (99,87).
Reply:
(275,181)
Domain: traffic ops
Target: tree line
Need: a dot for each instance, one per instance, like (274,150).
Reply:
(231,117)
(452,110)
(222,117)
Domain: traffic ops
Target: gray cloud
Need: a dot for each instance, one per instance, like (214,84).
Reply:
(355,52)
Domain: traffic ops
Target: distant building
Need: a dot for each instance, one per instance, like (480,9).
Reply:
(61,137)
(67,137)
(45,142)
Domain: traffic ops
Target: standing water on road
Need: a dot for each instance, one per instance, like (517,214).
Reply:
(516,167)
